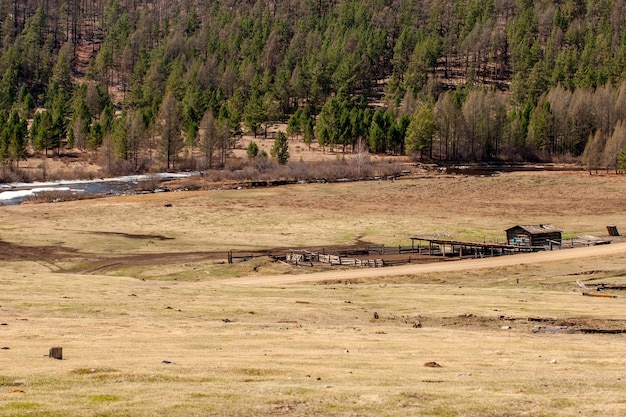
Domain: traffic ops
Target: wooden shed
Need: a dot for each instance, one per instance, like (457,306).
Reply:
(540,235)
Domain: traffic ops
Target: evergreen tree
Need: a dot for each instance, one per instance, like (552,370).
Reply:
(271,111)
(420,131)
(120,137)
(208,138)
(622,160)
(294,125)
(253,114)
(280,150)
(333,124)
(308,132)
(252,150)
(18,130)
(377,138)
(5,133)
(96,136)
(42,131)
(136,129)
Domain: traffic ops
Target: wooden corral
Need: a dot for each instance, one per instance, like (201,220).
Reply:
(455,248)
(307,258)
(520,239)
(540,236)
(372,256)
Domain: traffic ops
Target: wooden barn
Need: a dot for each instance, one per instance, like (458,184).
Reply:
(541,235)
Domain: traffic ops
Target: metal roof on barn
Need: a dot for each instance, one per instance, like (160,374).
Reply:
(537,229)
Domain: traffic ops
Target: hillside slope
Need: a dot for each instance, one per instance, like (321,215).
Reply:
(479,79)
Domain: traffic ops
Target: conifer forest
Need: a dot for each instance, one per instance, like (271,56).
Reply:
(441,80)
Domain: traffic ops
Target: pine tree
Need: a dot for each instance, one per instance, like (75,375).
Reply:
(252,150)
(420,132)
(294,125)
(120,137)
(280,150)
(5,133)
(208,138)
(18,129)
(253,114)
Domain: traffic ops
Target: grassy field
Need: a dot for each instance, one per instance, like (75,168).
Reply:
(131,289)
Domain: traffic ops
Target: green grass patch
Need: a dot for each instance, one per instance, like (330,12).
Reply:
(103,398)
(22,406)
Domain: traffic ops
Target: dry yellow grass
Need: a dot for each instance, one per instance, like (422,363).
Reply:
(308,349)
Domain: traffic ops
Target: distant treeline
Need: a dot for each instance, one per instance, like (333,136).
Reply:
(467,80)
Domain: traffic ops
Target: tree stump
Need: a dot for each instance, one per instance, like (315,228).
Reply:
(56,353)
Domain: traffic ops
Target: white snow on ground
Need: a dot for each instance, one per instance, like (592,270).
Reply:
(16,190)
(10,195)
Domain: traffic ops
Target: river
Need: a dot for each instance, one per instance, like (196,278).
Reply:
(16,193)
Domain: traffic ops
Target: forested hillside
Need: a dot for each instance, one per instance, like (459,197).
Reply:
(471,80)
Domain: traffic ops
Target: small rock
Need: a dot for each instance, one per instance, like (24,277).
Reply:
(552,360)
(464,374)
(5,348)
(505,327)
(167,362)
(376,315)
(226,320)
(4,324)
(417,324)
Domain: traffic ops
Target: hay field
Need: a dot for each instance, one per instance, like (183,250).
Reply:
(151,325)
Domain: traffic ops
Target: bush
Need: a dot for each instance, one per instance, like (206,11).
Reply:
(252,150)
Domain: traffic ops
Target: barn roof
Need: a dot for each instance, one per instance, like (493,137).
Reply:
(537,229)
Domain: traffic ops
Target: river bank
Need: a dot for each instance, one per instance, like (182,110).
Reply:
(17,193)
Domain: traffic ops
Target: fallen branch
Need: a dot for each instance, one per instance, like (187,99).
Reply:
(588,294)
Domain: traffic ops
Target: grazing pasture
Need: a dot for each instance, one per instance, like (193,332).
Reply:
(153,322)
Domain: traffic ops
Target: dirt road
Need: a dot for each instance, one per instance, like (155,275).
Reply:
(469,264)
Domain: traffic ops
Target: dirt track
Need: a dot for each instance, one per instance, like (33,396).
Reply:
(502,261)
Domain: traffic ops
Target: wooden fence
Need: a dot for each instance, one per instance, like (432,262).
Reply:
(235,258)
(306,258)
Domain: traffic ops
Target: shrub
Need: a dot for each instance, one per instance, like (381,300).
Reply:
(252,150)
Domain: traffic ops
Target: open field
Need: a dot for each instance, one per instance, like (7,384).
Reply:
(136,292)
